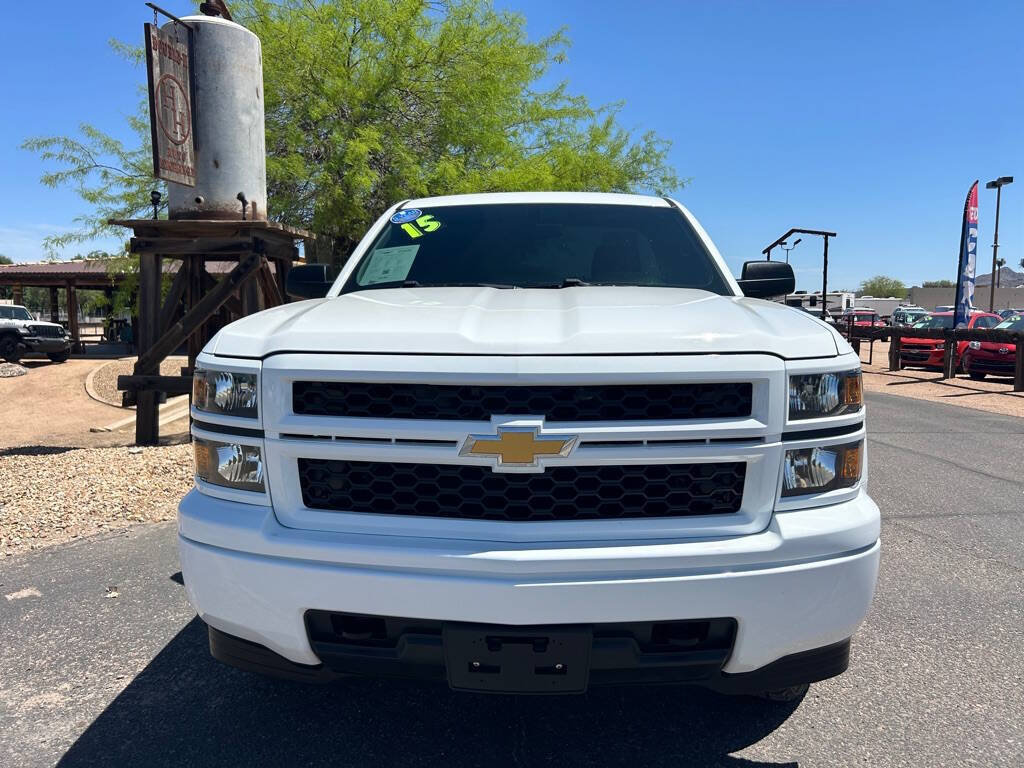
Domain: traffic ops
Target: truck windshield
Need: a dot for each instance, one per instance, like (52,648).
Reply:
(1012,323)
(543,245)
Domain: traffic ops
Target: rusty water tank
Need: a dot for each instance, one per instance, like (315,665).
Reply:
(231,154)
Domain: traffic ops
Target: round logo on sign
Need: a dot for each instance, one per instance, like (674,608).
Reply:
(172,111)
(403,217)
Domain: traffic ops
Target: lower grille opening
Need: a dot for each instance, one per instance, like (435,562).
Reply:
(561,493)
(644,651)
(351,628)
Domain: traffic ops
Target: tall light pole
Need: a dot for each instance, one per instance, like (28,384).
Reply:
(997,185)
(790,248)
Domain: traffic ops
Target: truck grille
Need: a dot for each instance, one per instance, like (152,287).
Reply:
(561,493)
(47,331)
(721,400)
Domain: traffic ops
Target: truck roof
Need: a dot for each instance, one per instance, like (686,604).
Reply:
(495,198)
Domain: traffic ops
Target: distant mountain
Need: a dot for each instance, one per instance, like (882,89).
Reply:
(1008,277)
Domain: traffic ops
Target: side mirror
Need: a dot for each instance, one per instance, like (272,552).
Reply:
(764,279)
(309,281)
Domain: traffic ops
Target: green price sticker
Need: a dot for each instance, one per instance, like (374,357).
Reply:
(425,223)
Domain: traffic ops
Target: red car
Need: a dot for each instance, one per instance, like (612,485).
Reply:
(863,318)
(997,358)
(927,353)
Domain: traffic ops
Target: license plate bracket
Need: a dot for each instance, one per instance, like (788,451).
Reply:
(517,660)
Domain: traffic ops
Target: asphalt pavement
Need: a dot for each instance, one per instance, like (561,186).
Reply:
(90,678)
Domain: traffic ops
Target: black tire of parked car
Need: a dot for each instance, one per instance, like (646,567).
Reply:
(977,376)
(59,357)
(9,349)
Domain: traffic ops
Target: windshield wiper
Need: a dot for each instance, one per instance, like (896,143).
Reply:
(466,285)
(418,284)
(567,282)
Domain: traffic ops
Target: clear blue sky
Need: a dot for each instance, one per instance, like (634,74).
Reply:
(869,119)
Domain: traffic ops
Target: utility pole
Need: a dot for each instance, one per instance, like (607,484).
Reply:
(997,185)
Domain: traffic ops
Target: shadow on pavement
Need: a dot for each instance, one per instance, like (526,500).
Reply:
(185,708)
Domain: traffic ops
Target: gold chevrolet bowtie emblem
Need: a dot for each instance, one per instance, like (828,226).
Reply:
(517,447)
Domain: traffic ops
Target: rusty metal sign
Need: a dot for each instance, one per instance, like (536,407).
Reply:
(169,63)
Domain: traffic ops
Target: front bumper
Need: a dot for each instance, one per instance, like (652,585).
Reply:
(803,583)
(795,669)
(1003,365)
(46,346)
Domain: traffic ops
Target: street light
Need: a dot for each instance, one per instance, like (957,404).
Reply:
(782,245)
(824,258)
(997,185)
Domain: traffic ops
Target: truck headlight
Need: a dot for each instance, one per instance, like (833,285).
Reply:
(815,395)
(816,470)
(974,344)
(225,392)
(231,465)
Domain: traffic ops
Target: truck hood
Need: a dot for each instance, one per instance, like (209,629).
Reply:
(487,321)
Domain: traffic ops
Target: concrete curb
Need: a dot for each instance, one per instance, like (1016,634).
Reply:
(91,390)
(174,409)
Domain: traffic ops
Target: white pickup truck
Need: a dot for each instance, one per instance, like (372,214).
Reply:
(529,443)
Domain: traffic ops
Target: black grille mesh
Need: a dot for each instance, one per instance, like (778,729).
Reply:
(47,331)
(560,493)
(556,403)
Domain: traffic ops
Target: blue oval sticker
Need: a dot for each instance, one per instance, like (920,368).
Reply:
(405,216)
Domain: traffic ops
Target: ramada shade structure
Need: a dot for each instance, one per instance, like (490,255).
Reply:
(72,276)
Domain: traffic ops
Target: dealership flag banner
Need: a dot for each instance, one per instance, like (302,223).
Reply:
(968,259)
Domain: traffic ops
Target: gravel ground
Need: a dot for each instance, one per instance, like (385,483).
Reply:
(53,495)
(992,395)
(104,382)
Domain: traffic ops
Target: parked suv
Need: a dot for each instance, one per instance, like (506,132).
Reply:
(530,443)
(21,333)
(907,315)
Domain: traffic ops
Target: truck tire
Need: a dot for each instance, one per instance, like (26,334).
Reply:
(976,375)
(9,349)
(59,357)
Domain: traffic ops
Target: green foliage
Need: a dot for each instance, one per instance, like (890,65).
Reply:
(881,286)
(369,102)
(938,284)
(114,180)
(372,101)
(6,259)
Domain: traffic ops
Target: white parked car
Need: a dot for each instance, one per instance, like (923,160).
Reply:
(531,443)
